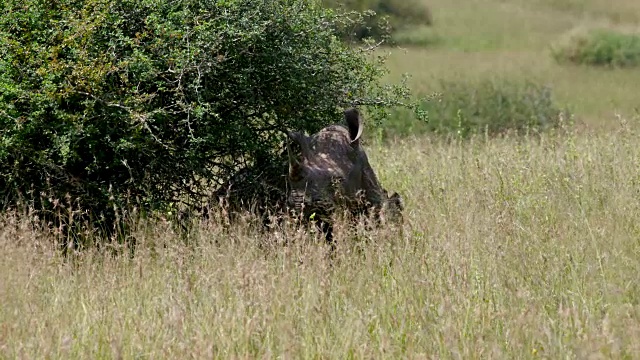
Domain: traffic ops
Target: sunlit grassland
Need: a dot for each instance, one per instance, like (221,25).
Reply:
(512,248)
(491,39)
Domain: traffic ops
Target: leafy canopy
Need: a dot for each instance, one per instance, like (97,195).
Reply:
(148,102)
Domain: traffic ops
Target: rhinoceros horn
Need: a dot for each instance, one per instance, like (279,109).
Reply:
(352,116)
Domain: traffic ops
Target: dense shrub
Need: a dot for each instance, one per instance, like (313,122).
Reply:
(387,16)
(601,47)
(493,107)
(105,103)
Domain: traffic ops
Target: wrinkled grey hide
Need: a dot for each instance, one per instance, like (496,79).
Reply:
(330,170)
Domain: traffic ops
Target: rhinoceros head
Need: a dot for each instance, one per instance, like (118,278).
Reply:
(325,165)
(330,168)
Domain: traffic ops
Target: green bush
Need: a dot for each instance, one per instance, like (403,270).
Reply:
(463,108)
(388,16)
(600,47)
(109,105)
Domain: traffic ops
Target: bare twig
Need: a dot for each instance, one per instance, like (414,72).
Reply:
(372,47)
(105,102)
(9,116)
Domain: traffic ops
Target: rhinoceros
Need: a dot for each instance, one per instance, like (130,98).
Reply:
(330,170)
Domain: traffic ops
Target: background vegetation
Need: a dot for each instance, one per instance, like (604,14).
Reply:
(382,17)
(513,41)
(489,106)
(602,47)
(513,247)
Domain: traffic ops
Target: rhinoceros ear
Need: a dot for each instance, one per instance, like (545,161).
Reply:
(354,123)
(297,153)
(397,200)
(300,141)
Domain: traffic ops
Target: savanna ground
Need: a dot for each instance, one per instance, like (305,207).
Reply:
(512,247)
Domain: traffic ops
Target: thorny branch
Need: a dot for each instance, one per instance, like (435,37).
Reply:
(141,117)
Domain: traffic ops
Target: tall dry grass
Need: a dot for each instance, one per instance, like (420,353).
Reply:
(512,248)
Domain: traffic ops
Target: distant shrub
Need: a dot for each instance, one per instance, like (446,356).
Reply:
(465,108)
(399,14)
(600,47)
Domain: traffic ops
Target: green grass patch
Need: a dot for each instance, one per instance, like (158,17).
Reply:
(619,11)
(599,47)
(487,106)
(422,36)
